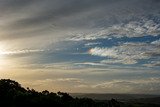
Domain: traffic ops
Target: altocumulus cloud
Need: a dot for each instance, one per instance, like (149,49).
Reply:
(127,53)
(130,29)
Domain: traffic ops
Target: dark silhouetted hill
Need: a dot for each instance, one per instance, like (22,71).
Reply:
(108,96)
(12,94)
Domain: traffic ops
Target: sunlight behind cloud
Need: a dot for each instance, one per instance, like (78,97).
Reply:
(59,44)
(2,49)
(3,61)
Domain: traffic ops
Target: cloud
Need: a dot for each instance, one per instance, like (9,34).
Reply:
(153,64)
(82,80)
(157,42)
(127,53)
(20,52)
(42,82)
(40,30)
(52,17)
(90,63)
(74,80)
(103,52)
(119,61)
(130,29)
(138,86)
(60,83)
(81,86)
(147,86)
(38,18)
(92,44)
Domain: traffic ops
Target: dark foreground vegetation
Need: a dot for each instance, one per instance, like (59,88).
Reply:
(13,95)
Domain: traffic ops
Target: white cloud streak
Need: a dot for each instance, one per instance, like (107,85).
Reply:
(92,44)
(17,52)
(127,53)
(121,61)
(157,42)
(90,63)
(74,80)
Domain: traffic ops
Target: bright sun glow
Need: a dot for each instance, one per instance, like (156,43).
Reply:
(4,62)
(4,49)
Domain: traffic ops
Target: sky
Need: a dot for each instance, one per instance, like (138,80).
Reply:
(81,46)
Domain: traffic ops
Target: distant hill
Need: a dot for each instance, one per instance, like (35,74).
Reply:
(155,100)
(110,96)
(126,100)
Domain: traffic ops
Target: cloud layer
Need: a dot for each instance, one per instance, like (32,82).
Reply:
(89,45)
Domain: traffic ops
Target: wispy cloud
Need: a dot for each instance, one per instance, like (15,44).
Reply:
(157,42)
(149,85)
(127,53)
(153,64)
(92,44)
(73,80)
(138,28)
(119,61)
(19,52)
(90,63)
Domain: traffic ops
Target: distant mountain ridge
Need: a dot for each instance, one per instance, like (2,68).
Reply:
(108,96)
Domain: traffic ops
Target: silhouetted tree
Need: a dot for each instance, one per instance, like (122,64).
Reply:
(9,91)
(13,95)
(45,92)
(65,96)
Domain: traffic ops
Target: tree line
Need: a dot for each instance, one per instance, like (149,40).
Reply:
(12,94)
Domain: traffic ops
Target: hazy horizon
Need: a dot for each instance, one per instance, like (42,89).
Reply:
(81,46)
